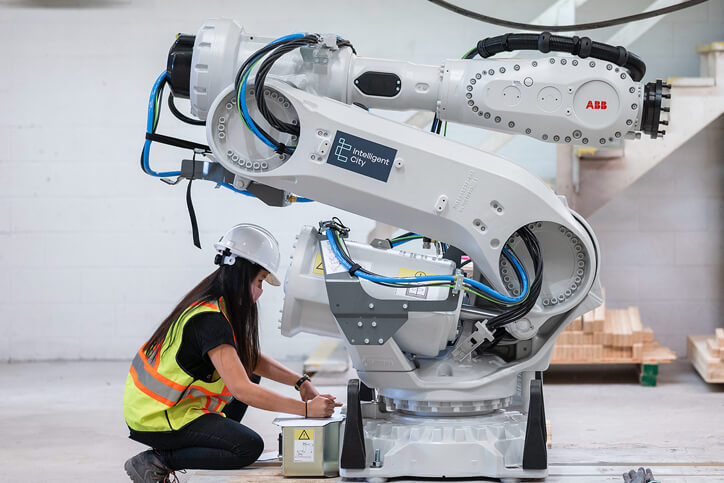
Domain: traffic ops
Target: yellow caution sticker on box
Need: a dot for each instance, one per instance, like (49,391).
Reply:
(304,445)
(306,434)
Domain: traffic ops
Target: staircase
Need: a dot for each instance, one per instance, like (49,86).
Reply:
(590,178)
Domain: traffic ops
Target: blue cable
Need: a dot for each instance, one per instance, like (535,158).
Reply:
(149,129)
(242,89)
(438,278)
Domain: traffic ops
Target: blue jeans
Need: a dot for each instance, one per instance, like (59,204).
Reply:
(210,442)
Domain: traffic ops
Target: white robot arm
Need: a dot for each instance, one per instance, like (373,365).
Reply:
(451,345)
(554,99)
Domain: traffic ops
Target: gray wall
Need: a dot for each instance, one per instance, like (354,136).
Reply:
(662,242)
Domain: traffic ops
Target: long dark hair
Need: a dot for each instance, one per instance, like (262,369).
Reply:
(233,284)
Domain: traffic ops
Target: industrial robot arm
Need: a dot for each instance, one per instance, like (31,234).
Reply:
(300,124)
(290,115)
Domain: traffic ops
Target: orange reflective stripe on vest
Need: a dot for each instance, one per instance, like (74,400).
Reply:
(160,395)
(149,381)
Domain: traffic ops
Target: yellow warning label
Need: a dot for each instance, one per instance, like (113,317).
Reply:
(318,266)
(417,292)
(406,272)
(304,434)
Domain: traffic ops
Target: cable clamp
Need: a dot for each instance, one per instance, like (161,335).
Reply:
(329,41)
(459,279)
(354,268)
(281,149)
(544,42)
(473,341)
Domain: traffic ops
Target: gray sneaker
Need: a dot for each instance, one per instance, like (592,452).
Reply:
(146,467)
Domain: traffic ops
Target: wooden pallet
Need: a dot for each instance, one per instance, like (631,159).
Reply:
(707,355)
(606,336)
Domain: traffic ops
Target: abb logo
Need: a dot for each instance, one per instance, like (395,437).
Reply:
(596,105)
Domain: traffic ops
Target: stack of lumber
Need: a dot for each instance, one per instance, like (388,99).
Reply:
(707,355)
(609,336)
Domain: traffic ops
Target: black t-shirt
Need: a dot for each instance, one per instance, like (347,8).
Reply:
(202,333)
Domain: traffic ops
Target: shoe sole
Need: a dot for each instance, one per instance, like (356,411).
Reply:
(132,473)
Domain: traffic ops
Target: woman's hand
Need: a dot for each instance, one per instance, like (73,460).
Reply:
(307,391)
(321,406)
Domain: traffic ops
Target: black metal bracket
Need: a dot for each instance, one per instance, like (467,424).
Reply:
(354,453)
(535,452)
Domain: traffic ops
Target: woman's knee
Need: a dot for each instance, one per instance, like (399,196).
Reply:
(250,449)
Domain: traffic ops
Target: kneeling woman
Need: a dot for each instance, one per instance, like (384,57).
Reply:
(190,384)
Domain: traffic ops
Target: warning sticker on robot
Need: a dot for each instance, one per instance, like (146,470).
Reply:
(318,267)
(331,263)
(417,292)
(304,445)
(361,156)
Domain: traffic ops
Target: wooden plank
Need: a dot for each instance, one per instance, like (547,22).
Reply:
(714,350)
(627,328)
(636,326)
(710,369)
(705,472)
(588,322)
(608,328)
(599,315)
(720,337)
(575,325)
(619,328)
(656,353)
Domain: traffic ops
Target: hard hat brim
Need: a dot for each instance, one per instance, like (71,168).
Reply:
(272,279)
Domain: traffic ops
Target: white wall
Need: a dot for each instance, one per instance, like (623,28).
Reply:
(662,242)
(92,252)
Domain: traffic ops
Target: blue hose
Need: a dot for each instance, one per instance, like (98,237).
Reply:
(439,278)
(149,129)
(241,99)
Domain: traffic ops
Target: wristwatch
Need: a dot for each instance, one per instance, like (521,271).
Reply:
(301,381)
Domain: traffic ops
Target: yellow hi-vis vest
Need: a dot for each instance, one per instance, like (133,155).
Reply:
(160,395)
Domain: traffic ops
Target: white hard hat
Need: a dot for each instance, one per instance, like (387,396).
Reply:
(255,244)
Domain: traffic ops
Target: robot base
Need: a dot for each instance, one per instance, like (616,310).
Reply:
(505,443)
(449,447)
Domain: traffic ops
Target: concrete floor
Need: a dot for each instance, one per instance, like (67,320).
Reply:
(62,421)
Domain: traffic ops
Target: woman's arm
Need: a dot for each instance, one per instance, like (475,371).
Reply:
(271,369)
(227,363)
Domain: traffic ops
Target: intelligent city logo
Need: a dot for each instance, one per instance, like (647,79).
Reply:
(342,146)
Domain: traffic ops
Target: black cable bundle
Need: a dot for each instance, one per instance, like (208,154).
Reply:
(181,116)
(531,243)
(261,75)
(497,324)
(273,52)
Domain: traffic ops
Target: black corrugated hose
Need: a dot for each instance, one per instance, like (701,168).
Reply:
(583,47)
